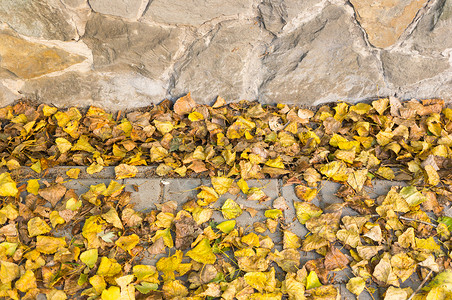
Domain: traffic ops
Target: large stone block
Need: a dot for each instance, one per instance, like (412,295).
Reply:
(120,45)
(421,66)
(432,35)
(130,9)
(403,69)
(278,15)
(385,21)
(194,12)
(44,19)
(324,60)
(224,62)
(112,91)
(28,60)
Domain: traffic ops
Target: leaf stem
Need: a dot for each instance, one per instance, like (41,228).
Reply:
(419,221)
(421,285)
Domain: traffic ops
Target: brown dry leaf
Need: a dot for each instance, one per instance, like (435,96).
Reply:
(125,171)
(335,259)
(184,105)
(53,193)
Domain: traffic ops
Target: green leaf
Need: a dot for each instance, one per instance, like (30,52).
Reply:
(146,287)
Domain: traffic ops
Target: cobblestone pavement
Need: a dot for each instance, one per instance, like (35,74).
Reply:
(147,192)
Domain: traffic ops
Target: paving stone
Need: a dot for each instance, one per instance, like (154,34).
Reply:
(149,192)
(180,190)
(82,185)
(382,187)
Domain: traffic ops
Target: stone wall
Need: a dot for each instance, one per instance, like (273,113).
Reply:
(129,53)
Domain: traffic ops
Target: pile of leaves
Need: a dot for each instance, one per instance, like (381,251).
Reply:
(95,245)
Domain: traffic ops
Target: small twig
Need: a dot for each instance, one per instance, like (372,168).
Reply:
(421,285)
(419,221)
(370,293)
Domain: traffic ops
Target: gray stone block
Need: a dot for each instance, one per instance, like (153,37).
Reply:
(149,192)
(130,9)
(180,190)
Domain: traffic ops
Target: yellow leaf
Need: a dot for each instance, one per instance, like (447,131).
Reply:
(386,173)
(158,153)
(243,186)
(403,266)
(273,213)
(431,174)
(398,293)
(275,163)
(146,273)
(112,293)
(305,211)
(195,116)
(164,127)
(356,285)
(202,253)
(257,280)
(380,105)
(73,204)
(114,189)
(55,218)
(335,170)
(291,240)
(166,235)
(56,295)
(83,145)
(73,173)
(201,215)
(48,110)
(37,226)
(7,185)
(428,245)
(98,283)
(168,265)
(357,179)
(251,239)
(231,209)
(127,243)
(383,271)
(226,226)
(108,267)
(26,282)
(174,289)
(94,168)
(305,193)
(33,186)
(112,217)
(12,164)
(206,196)
(49,245)
(221,184)
(312,281)
(8,271)
(36,167)
(89,257)
(125,171)
(341,111)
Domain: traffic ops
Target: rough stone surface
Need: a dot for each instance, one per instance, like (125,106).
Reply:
(278,14)
(194,12)
(117,44)
(323,60)
(225,62)
(385,21)
(138,52)
(146,192)
(27,60)
(405,69)
(131,9)
(45,19)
